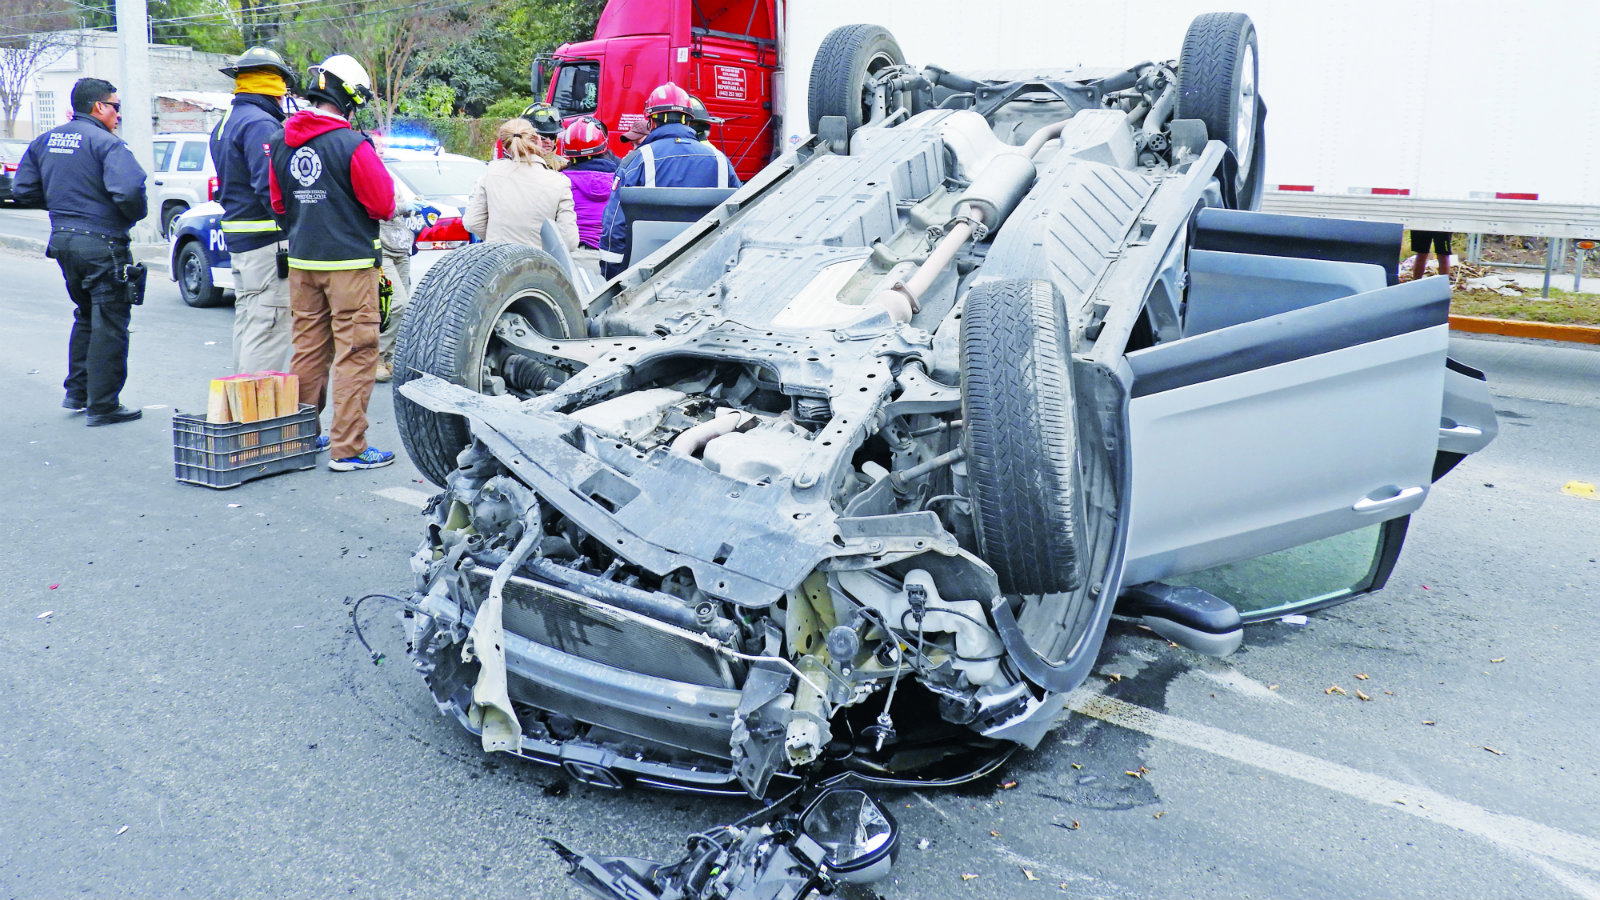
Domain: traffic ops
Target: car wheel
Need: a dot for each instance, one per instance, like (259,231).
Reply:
(850,57)
(448,330)
(169,215)
(1217,85)
(194,277)
(1021,435)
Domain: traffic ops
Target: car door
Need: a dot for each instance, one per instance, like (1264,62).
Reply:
(163,156)
(1303,403)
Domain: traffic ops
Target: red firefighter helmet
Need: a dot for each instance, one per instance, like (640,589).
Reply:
(668,98)
(581,139)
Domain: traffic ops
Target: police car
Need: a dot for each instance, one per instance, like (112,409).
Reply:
(442,183)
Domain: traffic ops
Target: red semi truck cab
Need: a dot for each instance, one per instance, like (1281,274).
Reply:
(723,51)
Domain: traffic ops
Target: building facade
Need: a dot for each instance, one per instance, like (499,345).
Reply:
(181,74)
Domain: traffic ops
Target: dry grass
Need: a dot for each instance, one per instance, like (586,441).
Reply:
(1563,307)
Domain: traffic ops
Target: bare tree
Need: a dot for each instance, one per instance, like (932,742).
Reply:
(393,40)
(33,34)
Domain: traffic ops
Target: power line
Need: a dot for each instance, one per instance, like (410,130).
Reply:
(268,10)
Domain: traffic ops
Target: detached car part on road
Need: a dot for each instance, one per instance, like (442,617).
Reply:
(853,472)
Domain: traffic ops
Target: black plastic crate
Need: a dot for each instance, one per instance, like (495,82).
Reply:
(228,455)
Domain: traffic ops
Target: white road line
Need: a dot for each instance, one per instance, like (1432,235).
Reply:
(930,804)
(1579,885)
(405,495)
(1238,682)
(1508,831)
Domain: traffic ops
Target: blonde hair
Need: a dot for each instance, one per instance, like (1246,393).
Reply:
(521,143)
(518,140)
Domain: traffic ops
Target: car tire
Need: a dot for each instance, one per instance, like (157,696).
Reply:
(169,215)
(1217,81)
(844,65)
(194,277)
(1021,435)
(448,330)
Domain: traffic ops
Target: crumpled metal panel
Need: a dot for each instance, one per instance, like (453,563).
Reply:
(665,511)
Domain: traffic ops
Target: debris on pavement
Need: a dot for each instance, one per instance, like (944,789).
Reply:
(1580,489)
(785,852)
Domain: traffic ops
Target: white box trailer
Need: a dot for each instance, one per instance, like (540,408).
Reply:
(1466,116)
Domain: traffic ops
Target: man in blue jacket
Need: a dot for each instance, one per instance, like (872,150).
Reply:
(94,189)
(669,155)
(240,145)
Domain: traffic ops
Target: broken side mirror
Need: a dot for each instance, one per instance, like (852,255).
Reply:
(857,833)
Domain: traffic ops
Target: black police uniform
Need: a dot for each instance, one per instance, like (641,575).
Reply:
(94,189)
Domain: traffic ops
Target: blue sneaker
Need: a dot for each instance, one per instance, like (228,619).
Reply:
(370,458)
(322,442)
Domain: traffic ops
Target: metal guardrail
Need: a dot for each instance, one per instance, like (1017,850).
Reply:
(1527,218)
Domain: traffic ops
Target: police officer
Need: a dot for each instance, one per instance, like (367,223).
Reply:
(239,148)
(328,180)
(669,155)
(94,189)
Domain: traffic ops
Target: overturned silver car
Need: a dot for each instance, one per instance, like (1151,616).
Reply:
(853,471)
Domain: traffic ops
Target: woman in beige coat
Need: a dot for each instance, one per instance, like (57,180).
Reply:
(518,194)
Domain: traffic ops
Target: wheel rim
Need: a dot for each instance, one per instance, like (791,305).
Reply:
(191,275)
(539,310)
(1244,117)
(876,64)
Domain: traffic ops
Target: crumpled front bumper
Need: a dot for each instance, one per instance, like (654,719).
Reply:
(694,722)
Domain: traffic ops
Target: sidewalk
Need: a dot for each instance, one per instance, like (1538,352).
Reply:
(1529,278)
(156,256)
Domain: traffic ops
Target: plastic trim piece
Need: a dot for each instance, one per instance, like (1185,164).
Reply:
(1324,328)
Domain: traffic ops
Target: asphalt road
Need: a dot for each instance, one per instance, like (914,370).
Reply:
(195,718)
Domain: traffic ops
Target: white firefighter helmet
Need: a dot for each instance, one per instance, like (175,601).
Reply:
(340,80)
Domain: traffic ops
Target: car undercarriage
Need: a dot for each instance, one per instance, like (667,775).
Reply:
(842,477)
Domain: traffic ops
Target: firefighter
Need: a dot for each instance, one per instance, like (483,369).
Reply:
(95,192)
(700,119)
(546,122)
(329,183)
(591,169)
(239,148)
(669,155)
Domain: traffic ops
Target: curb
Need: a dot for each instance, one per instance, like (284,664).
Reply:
(141,252)
(24,244)
(1539,331)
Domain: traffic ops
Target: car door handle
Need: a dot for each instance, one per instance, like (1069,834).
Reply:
(1368,505)
(159,182)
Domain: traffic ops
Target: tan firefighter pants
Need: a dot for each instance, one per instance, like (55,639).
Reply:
(336,326)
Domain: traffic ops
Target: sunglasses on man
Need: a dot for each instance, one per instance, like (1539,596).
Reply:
(115,106)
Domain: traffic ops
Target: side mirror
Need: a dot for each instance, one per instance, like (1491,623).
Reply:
(542,67)
(857,834)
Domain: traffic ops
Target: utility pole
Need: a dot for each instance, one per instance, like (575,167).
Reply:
(138,131)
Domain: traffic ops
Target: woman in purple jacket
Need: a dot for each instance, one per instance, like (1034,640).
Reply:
(592,170)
